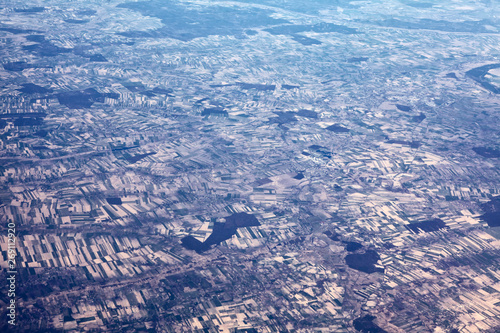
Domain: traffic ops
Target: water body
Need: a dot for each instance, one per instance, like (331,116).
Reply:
(411,144)
(16,31)
(114,201)
(357,59)
(305,40)
(262,181)
(23,115)
(491,212)
(404,108)
(76,21)
(123,148)
(214,111)
(163,91)
(261,87)
(352,246)
(299,176)
(97,58)
(337,129)
(25,119)
(31,88)
(221,232)
(487,152)
(307,114)
(17,66)
(291,29)
(325,152)
(283,118)
(221,85)
(28,121)
(87,12)
(419,118)
(364,262)
(46,49)
(82,99)
(426,226)
(332,235)
(36,38)
(289,86)
(366,325)
(138,157)
(134,86)
(29,10)
(417,4)
(478,73)
(451,76)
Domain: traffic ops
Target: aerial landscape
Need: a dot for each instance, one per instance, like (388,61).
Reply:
(250,166)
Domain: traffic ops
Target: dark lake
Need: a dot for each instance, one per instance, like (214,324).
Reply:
(492,212)
(28,121)
(357,59)
(114,201)
(30,88)
(478,73)
(404,108)
(332,235)
(487,152)
(76,21)
(305,40)
(364,262)
(262,87)
(283,118)
(88,12)
(411,144)
(36,38)
(46,49)
(215,111)
(17,66)
(24,119)
(299,176)
(23,115)
(418,4)
(366,325)
(325,152)
(136,158)
(307,114)
(352,246)
(16,30)
(337,129)
(291,29)
(221,232)
(82,99)
(426,226)
(29,10)
(97,58)
(419,118)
